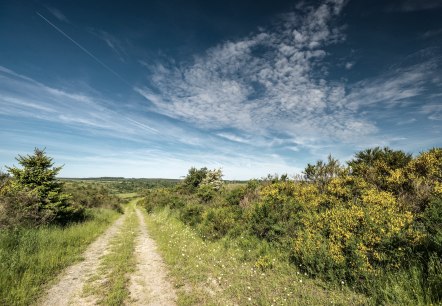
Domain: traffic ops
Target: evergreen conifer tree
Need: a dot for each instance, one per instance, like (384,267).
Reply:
(38,178)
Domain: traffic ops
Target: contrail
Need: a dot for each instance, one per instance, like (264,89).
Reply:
(85,50)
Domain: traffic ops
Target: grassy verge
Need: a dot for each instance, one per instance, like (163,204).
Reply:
(110,282)
(128,195)
(29,258)
(222,273)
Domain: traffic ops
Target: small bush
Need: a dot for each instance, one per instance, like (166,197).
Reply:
(92,196)
(205,193)
(264,263)
(191,214)
(234,196)
(217,222)
(161,197)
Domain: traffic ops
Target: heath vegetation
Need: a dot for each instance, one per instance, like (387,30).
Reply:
(373,225)
(365,232)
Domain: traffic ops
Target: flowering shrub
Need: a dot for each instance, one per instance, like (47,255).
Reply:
(378,216)
(213,179)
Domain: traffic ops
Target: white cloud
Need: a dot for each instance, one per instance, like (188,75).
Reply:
(275,82)
(349,65)
(57,14)
(433,111)
(233,137)
(391,88)
(114,43)
(155,163)
(267,81)
(24,97)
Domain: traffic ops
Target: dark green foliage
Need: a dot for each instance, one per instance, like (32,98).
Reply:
(432,220)
(136,185)
(93,195)
(264,222)
(193,179)
(205,193)
(161,197)
(35,193)
(322,172)
(4,178)
(22,208)
(217,222)
(234,196)
(394,159)
(434,276)
(191,214)
(375,164)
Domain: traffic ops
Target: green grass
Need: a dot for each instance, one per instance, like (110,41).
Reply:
(110,282)
(128,195)
(30,258)
(225,272)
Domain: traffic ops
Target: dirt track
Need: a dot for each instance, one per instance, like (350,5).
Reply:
(148,285)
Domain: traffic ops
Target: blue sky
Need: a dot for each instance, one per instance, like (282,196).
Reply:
(151,88)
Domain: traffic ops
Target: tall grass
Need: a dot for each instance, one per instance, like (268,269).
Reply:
(30,258)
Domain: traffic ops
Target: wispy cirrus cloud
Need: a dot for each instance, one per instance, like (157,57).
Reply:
(271,80)
(114,43)
(174,165)
(433,111)
(21,96)
(57,14)
(233,137)
(393,87)
(275,82)
(97,122)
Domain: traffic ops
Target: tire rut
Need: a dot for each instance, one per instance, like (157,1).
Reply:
(148,285)
(68,289)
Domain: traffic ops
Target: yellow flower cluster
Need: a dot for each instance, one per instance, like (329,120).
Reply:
(351,216)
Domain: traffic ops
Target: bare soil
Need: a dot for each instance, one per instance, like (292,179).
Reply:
(148,285)
(68,288)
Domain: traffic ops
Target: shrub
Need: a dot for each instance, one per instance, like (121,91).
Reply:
(235,196)
(21,208)
(191,214)
(217,222)
(93,195)
(374,225)
(434,277)
(193,179)
(205,193)
(213,179)
(323,172)
(375,165)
